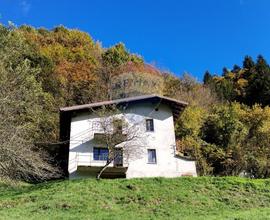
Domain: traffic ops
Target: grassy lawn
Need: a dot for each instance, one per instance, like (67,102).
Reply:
(155,198)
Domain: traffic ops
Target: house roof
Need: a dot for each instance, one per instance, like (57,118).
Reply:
(176,105)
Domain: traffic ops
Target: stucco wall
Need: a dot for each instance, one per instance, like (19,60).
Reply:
(162,139)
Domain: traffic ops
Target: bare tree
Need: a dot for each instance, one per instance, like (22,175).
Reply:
(120,133)
(190,90)
(19,125)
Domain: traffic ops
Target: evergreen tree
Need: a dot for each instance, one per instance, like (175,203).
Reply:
(261,65)
(207,77)
(236,68)
(248,62)
(224,71)
(258,90)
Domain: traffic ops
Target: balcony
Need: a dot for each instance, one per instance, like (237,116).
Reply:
(83,159)
(112,133)
(110,172)
(114,138)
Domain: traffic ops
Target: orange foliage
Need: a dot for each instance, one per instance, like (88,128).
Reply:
(80,71)
(73,53)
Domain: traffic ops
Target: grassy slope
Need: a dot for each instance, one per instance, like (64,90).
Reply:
(158,198)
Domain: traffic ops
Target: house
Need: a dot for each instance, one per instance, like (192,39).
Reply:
(153,117)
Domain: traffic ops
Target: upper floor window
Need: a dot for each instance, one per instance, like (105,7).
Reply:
(149,124)
(152,157)
(101,153)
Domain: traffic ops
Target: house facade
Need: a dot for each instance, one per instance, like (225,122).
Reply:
(150,150)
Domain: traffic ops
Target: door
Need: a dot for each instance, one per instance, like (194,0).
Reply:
(118,157)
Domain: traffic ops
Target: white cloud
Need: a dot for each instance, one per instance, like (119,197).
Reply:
(25,6)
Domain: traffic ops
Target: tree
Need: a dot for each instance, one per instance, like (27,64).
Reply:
(249,84)
(119,133)
(229,139)
(187,131)
(261,64)
(23,107)
(248,62)
(214,137)
(236,68)
(256,144)
(116,61)
(19,127)
(258,90)
(225,89)
(188,89)
(118,55)
(224,133)
(69,59)
(190,122)
(207,77)
(225,71)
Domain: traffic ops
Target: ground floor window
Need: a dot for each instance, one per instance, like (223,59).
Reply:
(101,153)
(152,157)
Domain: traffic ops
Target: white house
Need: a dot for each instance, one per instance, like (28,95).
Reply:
(152,118)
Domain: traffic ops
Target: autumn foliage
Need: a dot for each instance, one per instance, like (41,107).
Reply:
(225,128)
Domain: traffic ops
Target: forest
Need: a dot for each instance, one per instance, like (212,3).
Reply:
(226,126)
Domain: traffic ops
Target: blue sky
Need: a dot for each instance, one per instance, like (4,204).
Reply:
(176,35)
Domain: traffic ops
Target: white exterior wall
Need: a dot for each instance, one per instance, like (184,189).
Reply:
(162,139)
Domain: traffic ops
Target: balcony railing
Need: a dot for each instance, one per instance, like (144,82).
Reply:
(87,160)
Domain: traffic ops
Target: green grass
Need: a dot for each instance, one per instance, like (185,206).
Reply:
(153,198)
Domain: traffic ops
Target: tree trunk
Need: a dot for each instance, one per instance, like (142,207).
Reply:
(103,169)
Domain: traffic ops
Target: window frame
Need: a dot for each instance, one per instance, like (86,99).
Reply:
(152,127)
(155,153)
(99,153)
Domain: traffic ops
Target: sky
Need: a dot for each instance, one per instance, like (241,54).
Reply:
(176,35)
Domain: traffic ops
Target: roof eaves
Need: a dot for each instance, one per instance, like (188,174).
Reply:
(118,101)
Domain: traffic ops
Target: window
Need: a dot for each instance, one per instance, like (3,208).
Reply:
(152,158)
(101,153)
(149,125)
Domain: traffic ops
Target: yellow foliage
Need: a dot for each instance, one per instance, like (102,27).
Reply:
(242,83)
(230,75)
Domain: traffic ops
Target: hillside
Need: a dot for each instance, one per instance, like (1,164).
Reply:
(179,198)
(225,127)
